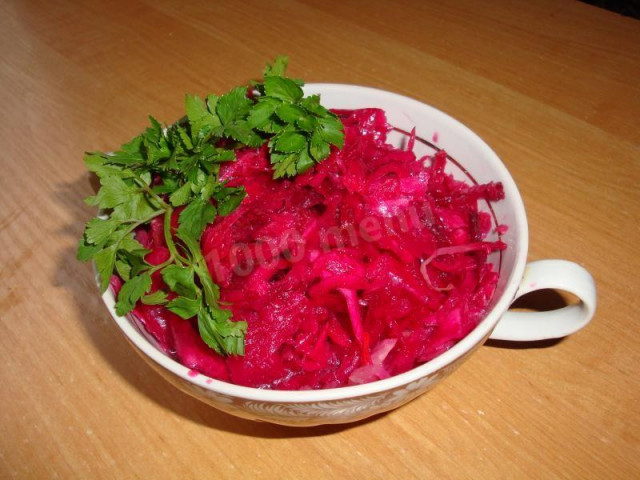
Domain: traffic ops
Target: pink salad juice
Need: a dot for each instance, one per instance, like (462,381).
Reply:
(366,266)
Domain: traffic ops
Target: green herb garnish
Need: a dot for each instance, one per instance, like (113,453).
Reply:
(164,168)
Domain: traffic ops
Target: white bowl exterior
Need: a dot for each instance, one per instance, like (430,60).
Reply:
(347,404)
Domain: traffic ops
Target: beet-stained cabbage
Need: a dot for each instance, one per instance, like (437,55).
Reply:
(368,265)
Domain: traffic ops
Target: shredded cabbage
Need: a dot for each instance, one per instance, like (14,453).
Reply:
(366,266)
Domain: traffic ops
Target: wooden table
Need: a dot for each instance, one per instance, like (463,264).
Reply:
(552,85)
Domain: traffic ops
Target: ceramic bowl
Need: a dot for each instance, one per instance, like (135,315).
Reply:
(470,159)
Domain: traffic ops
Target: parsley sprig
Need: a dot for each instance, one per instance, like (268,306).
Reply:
(177,167)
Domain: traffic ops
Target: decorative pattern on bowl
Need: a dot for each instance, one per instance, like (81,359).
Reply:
(311,413)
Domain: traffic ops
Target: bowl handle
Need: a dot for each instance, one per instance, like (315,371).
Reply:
(550,274)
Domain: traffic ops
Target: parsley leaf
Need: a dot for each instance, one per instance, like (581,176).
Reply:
(278,68)
(156,298)
(219,332)
(262,112)
(228,199)
(202,120)
(319,148)
(181,195)
(180,280)
(185,307)
(129,153)
(114,192)
(233,106)
(194,218)
(105,261)
(99,230)
(288,142)
(131,292)
(283,88)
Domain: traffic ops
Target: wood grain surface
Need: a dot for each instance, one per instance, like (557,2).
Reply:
(552,85)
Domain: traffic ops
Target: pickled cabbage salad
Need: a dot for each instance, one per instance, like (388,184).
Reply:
(315,255)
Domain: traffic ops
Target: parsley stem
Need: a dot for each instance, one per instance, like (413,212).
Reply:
(169,237)
(160,266)
(135,225)
(142,184)
(211,290)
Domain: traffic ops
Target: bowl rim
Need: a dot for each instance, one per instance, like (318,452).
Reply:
(465,345)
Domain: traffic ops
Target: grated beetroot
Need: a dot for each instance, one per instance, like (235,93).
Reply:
(362,268)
